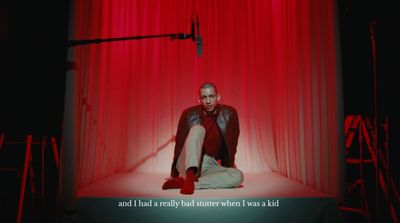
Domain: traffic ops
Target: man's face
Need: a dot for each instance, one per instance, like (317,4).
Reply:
(208,98)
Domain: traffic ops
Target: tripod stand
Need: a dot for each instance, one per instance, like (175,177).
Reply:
(355,125)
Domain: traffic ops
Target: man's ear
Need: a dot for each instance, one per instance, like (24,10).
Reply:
(218,97)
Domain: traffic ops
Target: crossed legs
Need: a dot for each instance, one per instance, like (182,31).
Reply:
(213,175)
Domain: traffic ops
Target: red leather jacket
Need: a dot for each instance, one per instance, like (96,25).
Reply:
(228,123)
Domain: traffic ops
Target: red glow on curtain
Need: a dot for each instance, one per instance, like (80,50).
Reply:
(274,61)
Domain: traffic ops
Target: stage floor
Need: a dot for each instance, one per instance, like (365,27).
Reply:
(264,197)
(266,184)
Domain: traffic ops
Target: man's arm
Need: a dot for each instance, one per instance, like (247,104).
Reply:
(235,134)
(178,144)
(174,181)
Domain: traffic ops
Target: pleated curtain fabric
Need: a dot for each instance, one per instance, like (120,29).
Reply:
(274,61)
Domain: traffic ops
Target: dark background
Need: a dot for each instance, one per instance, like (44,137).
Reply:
(33,55)
(32,72)
(356,18)
(33,64)
(357,63)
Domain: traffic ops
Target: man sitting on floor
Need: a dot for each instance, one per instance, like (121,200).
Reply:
(205,148)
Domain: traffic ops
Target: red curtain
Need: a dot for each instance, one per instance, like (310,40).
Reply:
(273,60)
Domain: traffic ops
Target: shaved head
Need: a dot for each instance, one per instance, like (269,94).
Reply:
(208,85)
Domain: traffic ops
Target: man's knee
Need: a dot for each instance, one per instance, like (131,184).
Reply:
(197,131)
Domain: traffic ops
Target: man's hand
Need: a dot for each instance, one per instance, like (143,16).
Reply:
(173,183)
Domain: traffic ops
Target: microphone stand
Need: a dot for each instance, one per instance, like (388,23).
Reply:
(172,36)
(376,138)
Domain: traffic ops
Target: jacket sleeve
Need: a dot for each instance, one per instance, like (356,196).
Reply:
(235,134)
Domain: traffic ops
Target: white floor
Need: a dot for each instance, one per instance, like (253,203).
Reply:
(257,185)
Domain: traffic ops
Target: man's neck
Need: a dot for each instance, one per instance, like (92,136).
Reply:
(210,113)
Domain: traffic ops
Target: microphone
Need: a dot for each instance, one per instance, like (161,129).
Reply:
(195,33)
